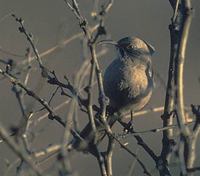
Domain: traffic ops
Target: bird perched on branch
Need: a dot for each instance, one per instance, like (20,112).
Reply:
(128,81)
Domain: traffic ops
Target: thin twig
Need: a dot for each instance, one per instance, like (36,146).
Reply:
(17,150)
(159,164)
(57,47)
(29,37)
(134,155)
(14,81)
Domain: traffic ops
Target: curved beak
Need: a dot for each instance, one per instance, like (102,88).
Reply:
(111,42)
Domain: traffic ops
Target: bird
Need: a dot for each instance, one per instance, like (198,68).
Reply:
(128,83)
(128,80)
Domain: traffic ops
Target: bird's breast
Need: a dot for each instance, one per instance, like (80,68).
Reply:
(134,79)
(127,85)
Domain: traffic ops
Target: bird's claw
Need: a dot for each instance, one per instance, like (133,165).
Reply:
(129,127)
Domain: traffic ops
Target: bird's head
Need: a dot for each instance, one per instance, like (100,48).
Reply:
(131,46)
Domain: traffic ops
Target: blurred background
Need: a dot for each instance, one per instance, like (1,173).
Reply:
(51,22)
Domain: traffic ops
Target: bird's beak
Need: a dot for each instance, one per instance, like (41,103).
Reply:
(111,42)
(150,47)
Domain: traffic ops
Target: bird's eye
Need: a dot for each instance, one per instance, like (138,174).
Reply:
(130,47)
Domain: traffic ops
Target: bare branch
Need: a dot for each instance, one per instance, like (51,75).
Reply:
(52,115)
(15,148)
(57,47)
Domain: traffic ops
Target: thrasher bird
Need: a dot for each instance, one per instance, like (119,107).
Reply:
(128,83)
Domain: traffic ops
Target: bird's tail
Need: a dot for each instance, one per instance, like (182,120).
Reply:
(87,138)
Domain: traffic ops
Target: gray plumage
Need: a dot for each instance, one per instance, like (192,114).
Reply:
(128,80)
(128,83)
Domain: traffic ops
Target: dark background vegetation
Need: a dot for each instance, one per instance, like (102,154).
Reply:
(51,22)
